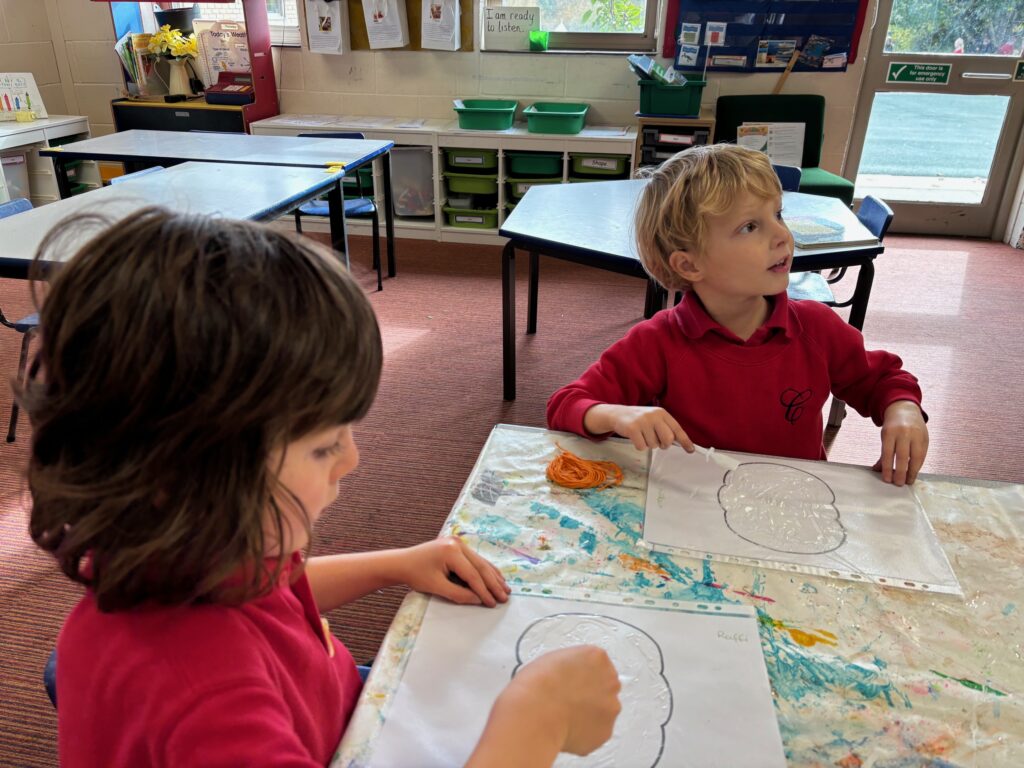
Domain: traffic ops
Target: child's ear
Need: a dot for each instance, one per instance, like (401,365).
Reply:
(685,264)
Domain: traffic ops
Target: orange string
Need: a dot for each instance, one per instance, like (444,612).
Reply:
(570,471)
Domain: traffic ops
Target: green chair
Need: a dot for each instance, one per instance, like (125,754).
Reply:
(732,111)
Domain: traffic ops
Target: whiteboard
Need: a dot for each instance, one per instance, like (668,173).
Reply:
(809,516)
(690,673)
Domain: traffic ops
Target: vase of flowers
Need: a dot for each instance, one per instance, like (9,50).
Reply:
(179,51)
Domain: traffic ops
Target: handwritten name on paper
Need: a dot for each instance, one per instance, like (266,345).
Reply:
(736,637)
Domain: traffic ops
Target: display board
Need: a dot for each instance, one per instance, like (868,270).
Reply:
(763,35)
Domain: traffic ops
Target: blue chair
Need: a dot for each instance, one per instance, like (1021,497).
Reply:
(26,326)
(136,174)
(876,217)
(359,206)
(789,177)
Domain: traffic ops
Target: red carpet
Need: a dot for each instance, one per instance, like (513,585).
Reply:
(950,308)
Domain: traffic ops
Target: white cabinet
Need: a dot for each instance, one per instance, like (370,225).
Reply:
(441,135)
(29,138)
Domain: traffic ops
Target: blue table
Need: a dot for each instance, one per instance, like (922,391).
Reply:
(140,149)
(592,224)
(209,188)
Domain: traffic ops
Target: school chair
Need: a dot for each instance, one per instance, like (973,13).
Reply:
(358,207)
(136,174)
(732,111)
(26,326)
(876,217)
(789,177)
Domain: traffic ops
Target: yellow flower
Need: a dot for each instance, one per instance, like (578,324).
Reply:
(171,43)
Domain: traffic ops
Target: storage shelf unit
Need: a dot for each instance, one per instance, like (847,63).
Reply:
(658,138)
(196,114)
(39,134)
(440,135)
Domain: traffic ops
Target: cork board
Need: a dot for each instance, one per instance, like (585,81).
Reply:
(414,11)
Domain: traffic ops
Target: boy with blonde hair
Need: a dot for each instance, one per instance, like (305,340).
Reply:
(735,364)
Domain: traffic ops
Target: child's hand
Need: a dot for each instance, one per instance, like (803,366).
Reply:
(904,443)
(647,427)
(449,568)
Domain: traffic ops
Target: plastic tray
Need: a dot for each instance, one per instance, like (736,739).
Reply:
(534,164)
(600,165)
(472,158)
(485,114)
(472,218)
(473,183)
(517,187)
(679,100)
(555,117)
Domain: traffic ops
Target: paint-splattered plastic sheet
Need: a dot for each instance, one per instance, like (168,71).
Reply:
(861,674)
(802,516)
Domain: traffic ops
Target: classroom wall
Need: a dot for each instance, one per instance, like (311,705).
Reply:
(423,84)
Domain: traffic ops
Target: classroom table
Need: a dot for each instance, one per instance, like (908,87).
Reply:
(592,224)
(209,188)
(139,149)
(861,674)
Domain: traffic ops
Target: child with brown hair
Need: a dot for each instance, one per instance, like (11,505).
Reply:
(735,365)
(199,379)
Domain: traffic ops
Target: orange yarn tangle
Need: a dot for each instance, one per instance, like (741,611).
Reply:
(570,471)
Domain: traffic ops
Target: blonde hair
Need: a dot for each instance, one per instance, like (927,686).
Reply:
(683,191)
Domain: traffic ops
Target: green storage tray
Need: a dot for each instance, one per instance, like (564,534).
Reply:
(584,179)
(554,117)
(517,187)
(485,114)
(601,165)
(534,164)
(680,100)
(474,183)
(78,189)
(365,176)
(472,218)
(472,158)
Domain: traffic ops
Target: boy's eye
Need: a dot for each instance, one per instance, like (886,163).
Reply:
(750,226)
(778,214)
(323,453)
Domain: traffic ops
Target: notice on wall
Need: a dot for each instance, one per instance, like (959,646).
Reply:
(387,25)
(327,26)
(18,93)
(223,47)
(440,28)
(508,28)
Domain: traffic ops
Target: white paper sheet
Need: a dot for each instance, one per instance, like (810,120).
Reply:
(440,26)
(327,26)
(785,145)
(808,516)
(689,677)
(387,25)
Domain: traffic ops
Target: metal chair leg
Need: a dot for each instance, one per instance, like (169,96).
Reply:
(298,222)
(376,250)
(22,363)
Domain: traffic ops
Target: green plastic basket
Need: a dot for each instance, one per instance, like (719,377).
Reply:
(472,158)
(533,164)
(485,114)
(351,183)
(554,117)
(600,165)
(679,100)
(472,218)
(474,183)
(517,187)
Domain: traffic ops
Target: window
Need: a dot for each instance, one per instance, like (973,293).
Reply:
(282,14)
(594,25)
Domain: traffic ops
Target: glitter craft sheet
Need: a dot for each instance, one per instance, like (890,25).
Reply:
(807,516)
(690,673)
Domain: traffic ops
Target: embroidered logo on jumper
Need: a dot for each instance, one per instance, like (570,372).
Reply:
(793,401)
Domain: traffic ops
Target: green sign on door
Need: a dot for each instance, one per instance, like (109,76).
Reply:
(926,74)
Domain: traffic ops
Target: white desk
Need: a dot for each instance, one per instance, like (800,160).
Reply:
(207,188)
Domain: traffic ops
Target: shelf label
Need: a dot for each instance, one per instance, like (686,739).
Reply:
(470,219)
(924,74)
(604,163)
(468,160)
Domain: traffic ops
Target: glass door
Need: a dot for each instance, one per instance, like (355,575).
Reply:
(939,116)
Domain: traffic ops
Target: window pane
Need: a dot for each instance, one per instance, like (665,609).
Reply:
(614,16)
(993,27)
(930,147)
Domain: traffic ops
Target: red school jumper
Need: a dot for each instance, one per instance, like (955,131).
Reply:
(763,395)
(259,684)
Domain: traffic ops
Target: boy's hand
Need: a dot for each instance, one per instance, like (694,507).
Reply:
(904,443)
(646,427)
(449,568)
(579,687)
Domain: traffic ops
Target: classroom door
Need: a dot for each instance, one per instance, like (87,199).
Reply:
(937,131)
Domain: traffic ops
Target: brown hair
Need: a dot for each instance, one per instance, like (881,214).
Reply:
(687,188)
(176,352)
